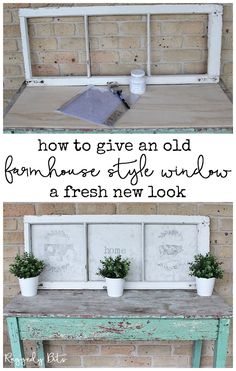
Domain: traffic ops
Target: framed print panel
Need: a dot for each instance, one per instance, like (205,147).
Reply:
(62,248)
(168,250)
(113,240)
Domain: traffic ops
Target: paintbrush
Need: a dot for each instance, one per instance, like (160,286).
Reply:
(115,89)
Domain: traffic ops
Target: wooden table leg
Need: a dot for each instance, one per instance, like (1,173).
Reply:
(40,354)
(197,352)
(16,342)
(221,343)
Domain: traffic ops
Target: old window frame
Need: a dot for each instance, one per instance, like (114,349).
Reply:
(214,12)
(201,222)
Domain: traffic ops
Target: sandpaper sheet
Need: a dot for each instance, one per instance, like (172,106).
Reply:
(97,105)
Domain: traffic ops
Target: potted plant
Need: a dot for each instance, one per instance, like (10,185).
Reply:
(206,269)
(114,270)
(27,268)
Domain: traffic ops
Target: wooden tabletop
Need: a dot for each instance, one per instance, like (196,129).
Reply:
(162,106)
(134,303)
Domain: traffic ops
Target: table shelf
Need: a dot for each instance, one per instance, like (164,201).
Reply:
(163,108)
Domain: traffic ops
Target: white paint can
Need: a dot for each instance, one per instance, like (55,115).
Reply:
(138,82)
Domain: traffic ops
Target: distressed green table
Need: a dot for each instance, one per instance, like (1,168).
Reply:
(138,315)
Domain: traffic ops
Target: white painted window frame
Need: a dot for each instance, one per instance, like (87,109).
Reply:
(203,243)
(214,12)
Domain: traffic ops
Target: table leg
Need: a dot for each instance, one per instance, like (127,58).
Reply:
(197,352)
(221,343)
(40,354)
(16,342)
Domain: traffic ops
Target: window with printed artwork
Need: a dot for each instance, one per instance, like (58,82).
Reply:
(159,248)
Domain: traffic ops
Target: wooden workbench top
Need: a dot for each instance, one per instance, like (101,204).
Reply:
(161,107)
(134,303)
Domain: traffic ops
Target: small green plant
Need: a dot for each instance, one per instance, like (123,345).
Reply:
(114,267)
(26,266)
(205,266)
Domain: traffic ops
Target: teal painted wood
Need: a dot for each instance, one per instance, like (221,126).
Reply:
(221,344)
(117,329)
(197,352)
(40,354)
(16,343)
(122,131)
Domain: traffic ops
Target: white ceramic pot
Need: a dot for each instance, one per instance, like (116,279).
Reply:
(115,287)
(29,286)
(205,286)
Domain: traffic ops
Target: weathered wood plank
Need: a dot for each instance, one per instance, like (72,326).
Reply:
(16,342)
(40,353)
(134,303)
(117,328)
(221,344)
(197,352)
(167,106)
(224,130)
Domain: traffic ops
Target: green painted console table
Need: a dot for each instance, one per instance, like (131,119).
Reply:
(138,315)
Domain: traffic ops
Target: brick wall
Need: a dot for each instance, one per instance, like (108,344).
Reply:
(126,354)
(118,44)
